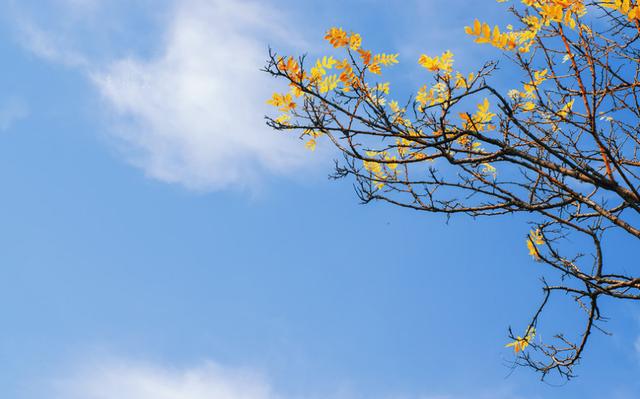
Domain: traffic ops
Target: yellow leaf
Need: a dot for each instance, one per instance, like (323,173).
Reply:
(355,41)
(520,344)
(337,37)
(327,84)
(488,168)
(283,119)
(383,87)
(365,55)
(386,59)
(435,64)
(375,68)
(566,109)
(484,34)
(276,100)
(534,240)
(311,145)
(284,102)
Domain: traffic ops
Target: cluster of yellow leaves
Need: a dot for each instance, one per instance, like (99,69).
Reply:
(283,119)
(374,62)
(403,145)
(320,79)
(563,113)
(425,97)
(484,34)
(355,42)
(311,143)
(376,97)
(538,78)
(347,76)
(395,108)
(406,123)
(291,67)
(434,95)
(529,91)
(327,84)
(283,101)
(464,82)
(318,75)
(321,67)
(520,343)
(338,38)
(560,11)
(489,169)
(441,92)
(379,169)
(436,64)
(566,109)
(625,7)
(534,240)
(382,88)
(480,120)
(319,72)
(527,37)
(529,95)
(408,149)
(385,59)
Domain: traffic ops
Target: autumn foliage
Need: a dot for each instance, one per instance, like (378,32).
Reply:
(561,144)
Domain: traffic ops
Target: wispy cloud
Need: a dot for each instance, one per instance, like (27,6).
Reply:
(128,380)
(12,110)
(49,46)
(193,113)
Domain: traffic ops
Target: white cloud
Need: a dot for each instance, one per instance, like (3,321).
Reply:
(48,45)
(126,380)
(193,113)
(11,111)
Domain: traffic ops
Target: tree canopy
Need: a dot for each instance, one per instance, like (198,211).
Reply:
(560,144)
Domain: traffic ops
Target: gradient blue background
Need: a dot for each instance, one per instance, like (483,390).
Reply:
(299,280)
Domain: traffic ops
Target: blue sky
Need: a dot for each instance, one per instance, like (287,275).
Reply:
(160,242)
